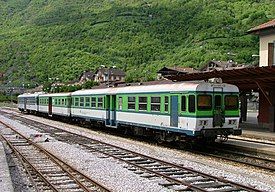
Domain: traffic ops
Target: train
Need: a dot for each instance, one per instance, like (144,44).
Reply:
(176,111)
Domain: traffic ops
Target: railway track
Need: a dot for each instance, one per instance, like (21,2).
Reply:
(172,175)
(46,171)
(265,163)
(253,141)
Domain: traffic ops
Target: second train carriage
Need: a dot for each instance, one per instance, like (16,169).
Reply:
(57,104)
(170,111)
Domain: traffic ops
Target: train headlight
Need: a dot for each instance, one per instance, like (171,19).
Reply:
(203,122)
(232,122)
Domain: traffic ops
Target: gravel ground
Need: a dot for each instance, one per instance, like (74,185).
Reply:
(107,170)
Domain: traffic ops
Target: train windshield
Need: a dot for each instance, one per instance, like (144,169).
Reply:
(204,102)
(231,102)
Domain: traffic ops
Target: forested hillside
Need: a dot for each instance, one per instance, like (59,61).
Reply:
(62,38)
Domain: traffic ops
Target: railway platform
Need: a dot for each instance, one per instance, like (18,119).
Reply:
(5,178)
(254,140)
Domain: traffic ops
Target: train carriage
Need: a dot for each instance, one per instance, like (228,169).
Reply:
(192,109)
(168,111)
(57,104)
(90,104)
(28,102)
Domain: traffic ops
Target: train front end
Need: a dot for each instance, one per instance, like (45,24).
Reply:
(218,111)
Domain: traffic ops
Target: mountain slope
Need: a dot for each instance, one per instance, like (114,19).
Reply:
(61,38)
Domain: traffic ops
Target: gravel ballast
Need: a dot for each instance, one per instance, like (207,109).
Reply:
(114,174)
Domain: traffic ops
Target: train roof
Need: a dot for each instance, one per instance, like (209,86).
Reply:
(55,94)
(29,95)
(161,88)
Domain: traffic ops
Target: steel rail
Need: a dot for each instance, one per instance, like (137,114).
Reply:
(20,156)
(63,165)
(158,160)
(252,141)
(239,161)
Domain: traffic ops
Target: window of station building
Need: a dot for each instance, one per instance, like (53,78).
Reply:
(81,102)
(87,101)
(142,103)
(100,102)
(166,103)
(76,102)
(120,103)
(204,102)
(155,103)
(93,102)
(191,103)
(231,102)
(132,103)
(183,103)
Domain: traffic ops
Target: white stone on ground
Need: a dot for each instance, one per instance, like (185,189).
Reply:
(120,179)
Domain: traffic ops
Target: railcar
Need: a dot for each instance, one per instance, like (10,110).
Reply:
(178,111)
(168,111)
(56,104)
(28,103)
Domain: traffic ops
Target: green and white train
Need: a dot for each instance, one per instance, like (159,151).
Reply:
(178,111)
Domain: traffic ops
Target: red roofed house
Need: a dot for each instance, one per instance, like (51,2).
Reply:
(266,32)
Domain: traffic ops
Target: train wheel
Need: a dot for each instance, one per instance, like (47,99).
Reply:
(223,138)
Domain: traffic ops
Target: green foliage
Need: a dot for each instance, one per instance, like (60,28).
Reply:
(89,84)
(47,87)
(42,39)
(8,98)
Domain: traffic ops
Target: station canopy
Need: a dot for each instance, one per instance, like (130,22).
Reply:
(246,79)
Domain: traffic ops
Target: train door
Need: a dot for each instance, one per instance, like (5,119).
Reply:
(25,104)
(111,110)
(37,103)
(218,111)
(174,118)
(50,106)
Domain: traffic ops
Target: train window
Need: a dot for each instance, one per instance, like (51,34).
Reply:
(155,103)
(87,101)
(81,102)
(120,103)
(191,103)
(100,102)
(62,101)
(218,101)
(166,103)
(65,101)
(231,102)
(59,101)
(142,103)
(204,102)
(132,103)
(93,102)
(183,103)
(76,102)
